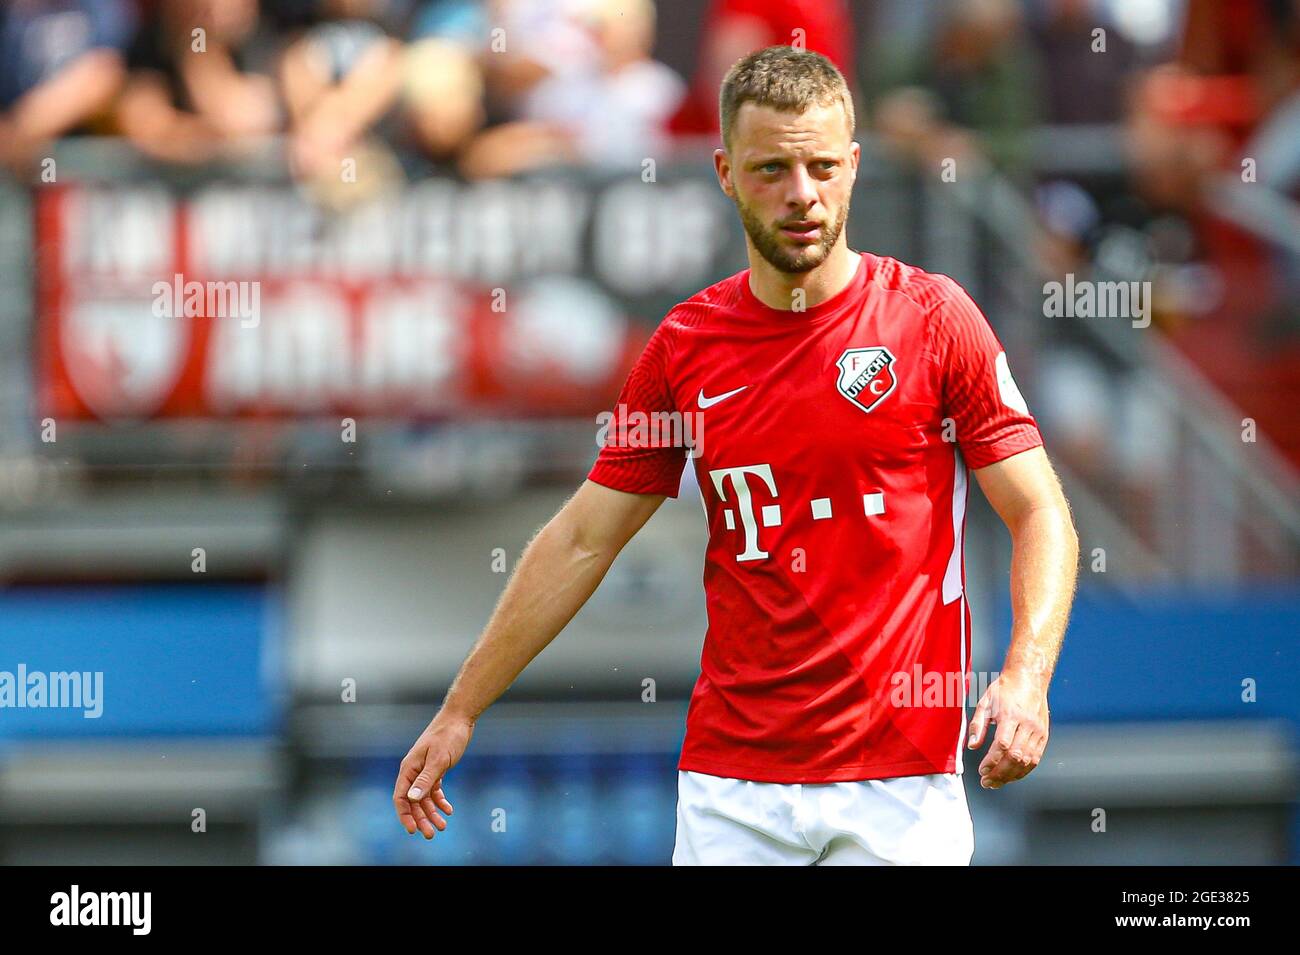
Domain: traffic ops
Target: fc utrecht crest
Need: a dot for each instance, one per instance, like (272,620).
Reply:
(866,376)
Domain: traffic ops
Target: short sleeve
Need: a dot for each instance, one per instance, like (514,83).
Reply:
(642,449)
(992,421)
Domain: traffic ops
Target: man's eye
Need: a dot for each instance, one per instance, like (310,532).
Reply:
(769,167)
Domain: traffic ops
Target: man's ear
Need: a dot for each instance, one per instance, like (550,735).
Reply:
(722,166)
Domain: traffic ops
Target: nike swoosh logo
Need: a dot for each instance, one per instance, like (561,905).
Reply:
(710,402)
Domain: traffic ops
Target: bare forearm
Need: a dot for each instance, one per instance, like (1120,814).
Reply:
(351,107)
(553,580)
(72,95)
(558,572)
(1044,567)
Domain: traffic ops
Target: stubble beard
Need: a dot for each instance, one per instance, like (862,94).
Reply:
(768,241)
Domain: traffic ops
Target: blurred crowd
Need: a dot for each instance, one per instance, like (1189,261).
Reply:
(482,88)
(1188,91)
(1158,141)
(453,87)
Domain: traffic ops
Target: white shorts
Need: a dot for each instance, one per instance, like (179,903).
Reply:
(906,820)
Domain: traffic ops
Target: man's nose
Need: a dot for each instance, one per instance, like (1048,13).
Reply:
(803,190)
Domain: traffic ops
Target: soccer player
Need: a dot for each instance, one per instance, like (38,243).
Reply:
(845,398)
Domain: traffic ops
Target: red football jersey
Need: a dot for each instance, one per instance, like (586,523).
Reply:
(831,446)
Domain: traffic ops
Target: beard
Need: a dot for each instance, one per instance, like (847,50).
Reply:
(803,258)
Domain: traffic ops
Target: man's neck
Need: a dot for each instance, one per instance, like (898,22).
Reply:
(778,289)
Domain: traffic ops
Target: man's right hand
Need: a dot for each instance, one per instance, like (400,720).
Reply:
(557,573)
(418,794)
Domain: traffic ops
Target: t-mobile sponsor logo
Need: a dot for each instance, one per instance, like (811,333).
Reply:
(744,502)
(872,504)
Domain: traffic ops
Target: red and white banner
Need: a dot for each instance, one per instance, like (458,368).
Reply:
(234,302)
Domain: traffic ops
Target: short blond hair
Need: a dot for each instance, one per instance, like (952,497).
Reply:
(783,78)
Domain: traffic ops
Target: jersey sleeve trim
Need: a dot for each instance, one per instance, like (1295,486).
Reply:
(1008,444)
(609,475)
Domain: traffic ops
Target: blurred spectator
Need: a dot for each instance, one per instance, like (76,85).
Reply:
(615,112)
(200,81)
(733,28)
(606,105)
(442,105)
(63,65)
(976,71)
(1083,84)
(1229,98)
(1181,131)
(531,40)
(1259,39)
(340,79)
